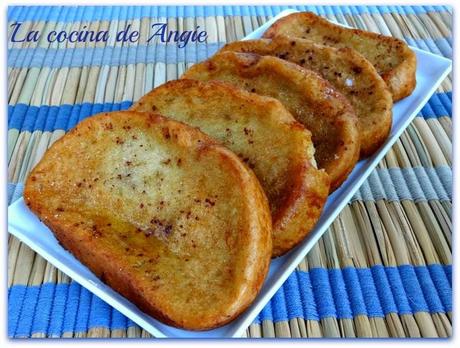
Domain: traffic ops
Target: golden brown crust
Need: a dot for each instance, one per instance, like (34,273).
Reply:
(265,136)
(401,80)
(349,72)
(392,58)
(143,201)
(309,98)
(293,221)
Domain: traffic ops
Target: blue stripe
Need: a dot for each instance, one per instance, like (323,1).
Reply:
(442,279)
(100,313)
(314,295)
(71,307)
(109,55)
(293,298)
(340,294)
(305,291)
(279,309)
(16,295)
(82,323)
(353,285)
(50,118)
(385,295)
(25,320)
(58,311)
(440,104)
(322,293)
(115,56)
(96,13)
(266,313)
(44,304)
(412,288)
(413,183)
(373,292)
(370,293)
(427,283)
(119,321)
(398,292)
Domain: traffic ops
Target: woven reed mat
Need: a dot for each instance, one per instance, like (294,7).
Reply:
(383,269)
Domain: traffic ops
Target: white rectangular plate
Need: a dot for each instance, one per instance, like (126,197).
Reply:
(22,223)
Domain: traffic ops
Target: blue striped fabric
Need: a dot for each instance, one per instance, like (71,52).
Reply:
(53,309)
(49,118)
(159,53)
(109,55)
(416,184)
(440,104)
(87,13)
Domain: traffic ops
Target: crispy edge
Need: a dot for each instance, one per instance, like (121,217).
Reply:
(301,212)
(232,90)
(107,268)
(351,151)
(371,139)
(401,80)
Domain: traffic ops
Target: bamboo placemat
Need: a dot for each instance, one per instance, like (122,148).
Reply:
(383,269)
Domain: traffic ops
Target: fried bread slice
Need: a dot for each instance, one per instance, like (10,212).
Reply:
(160,212)
(309,98)
(348,71)
(392,58)
(265,135)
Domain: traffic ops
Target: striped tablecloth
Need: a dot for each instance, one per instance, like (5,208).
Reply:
(383,268)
